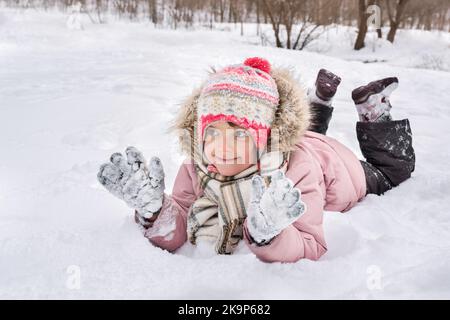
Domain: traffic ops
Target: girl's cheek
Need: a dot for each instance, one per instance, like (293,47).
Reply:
(238,151)
(208,150)
(244,152)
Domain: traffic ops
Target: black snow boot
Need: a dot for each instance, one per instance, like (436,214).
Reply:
(372,100)
(320,100)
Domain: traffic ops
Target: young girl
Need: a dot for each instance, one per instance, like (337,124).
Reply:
(261,167)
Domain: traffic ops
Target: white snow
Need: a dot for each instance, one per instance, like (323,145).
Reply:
(69,98)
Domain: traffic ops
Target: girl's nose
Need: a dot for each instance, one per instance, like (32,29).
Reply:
(225,146)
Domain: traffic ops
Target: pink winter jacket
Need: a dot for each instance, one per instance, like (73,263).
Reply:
(329,176)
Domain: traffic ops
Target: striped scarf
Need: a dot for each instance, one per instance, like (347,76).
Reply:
(218,216)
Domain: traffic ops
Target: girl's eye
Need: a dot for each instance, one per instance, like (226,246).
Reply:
(211,132)
(240,133)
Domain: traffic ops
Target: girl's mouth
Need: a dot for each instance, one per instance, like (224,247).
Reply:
(220,160)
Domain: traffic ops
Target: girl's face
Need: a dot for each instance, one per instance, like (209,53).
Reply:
(229,148)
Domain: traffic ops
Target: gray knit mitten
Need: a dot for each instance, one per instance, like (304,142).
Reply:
(129,179)
(273,208)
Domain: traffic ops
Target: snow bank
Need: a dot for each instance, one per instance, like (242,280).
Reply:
(412,48)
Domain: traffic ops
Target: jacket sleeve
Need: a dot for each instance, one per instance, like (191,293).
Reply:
(304,238)
(168,229)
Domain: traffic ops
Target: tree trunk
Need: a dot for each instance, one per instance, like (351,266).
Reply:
(153,13)
(258,21)
(275,24)
(392,32)
(362,25)
(396,22)
(288,40)
(379,34)
(222,10)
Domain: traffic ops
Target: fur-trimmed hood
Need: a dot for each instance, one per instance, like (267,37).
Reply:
(292,117)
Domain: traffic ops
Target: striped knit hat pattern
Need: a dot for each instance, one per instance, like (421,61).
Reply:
(243,94)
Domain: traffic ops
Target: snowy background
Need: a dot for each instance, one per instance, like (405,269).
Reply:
(70,97)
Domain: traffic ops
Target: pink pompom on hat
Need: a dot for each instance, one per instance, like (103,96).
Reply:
(243,94)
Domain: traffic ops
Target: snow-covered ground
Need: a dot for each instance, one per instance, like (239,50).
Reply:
(69,98)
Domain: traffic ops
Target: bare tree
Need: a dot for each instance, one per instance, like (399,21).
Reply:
(293,17)
(287,17)
(395,18)
(153,11)
(362,24)
(275,13)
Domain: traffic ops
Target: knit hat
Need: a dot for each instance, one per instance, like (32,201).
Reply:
(243,94)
